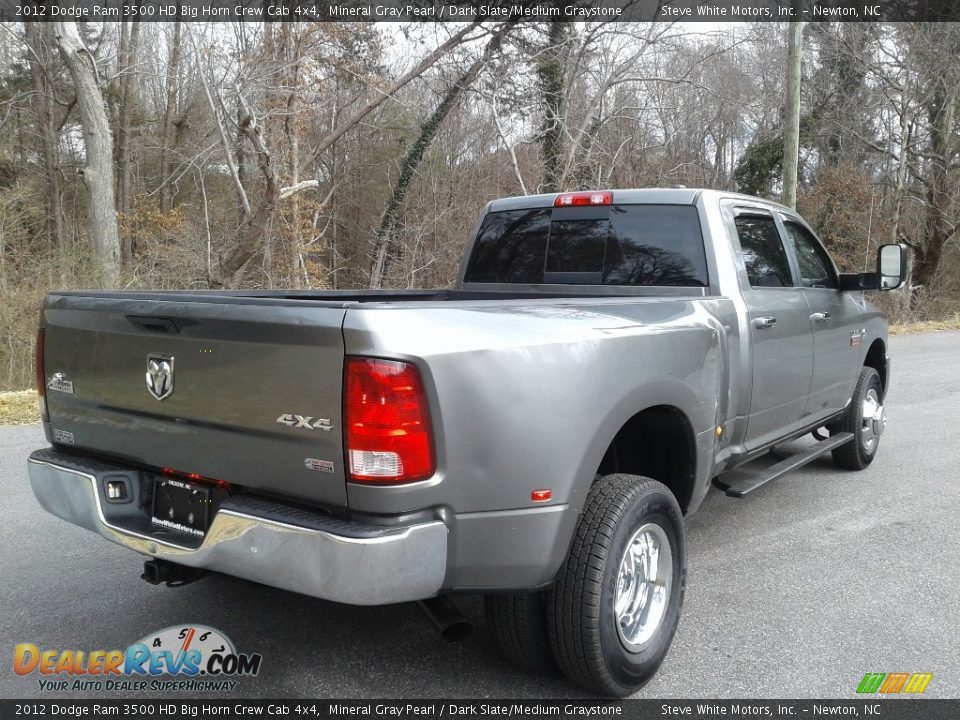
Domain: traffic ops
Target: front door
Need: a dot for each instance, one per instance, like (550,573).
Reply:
(834,318)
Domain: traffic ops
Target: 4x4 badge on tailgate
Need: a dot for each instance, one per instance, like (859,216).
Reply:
(160,376)
(305,421)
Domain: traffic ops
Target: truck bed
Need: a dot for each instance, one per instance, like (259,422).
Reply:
(249,364)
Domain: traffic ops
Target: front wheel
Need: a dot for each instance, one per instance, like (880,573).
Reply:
(616,604)
(865,418)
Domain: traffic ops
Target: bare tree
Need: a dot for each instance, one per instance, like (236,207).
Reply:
(942,149)
(269,155)
(254,220)
(552,75)
(97,171)
(39,41)
(167,135)
(126,70)
(382,241)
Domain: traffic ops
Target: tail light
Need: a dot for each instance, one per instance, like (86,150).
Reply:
(388,426)
(41,377)
(583,198)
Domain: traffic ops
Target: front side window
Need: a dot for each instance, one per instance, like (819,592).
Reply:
(763,253)
(815,267)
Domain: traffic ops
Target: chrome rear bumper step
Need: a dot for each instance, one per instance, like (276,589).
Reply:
(285,547)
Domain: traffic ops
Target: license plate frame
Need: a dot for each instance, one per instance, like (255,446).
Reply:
(180,506)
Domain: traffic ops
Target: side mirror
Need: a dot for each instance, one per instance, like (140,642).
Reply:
(891,266)
(891,271)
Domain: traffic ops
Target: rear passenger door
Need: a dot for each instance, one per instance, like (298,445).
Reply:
(834,318)
(779,326)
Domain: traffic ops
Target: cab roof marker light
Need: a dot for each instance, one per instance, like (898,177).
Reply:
(580,199)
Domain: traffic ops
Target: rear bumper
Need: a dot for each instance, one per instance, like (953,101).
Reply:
(281,546)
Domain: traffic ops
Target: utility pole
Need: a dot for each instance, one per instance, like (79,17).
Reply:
(791,132)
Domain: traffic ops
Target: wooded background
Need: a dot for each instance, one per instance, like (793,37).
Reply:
(339,155)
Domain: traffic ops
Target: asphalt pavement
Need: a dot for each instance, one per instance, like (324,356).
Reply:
(796,591)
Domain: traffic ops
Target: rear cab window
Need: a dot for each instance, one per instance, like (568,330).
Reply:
(627,245)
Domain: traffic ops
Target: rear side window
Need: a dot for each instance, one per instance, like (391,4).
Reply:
(618,245)
(763,253)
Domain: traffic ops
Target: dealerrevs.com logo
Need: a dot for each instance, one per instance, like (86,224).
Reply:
(200,657)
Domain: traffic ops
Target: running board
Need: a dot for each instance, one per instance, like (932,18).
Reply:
(739,482)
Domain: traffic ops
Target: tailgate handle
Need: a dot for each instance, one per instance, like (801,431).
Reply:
(154,324)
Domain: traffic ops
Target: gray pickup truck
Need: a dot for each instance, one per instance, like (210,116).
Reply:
(535,434)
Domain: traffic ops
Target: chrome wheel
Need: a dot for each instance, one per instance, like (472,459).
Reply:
(873,421)
(643,586)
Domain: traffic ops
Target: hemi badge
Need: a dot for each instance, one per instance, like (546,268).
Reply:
(318,465)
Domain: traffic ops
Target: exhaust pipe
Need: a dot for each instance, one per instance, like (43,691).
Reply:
(446,618)
(158,572)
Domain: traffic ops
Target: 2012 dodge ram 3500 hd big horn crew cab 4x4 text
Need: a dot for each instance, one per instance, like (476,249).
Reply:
(535,434)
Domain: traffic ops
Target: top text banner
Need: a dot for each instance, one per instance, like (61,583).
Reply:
(489,10)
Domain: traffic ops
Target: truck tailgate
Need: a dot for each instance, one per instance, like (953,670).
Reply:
(254,398)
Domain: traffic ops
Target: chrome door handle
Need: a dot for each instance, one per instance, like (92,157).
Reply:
(820,316)
(762,323)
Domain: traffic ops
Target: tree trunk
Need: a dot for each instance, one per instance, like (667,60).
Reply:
(902,160)
(903,296)
(168,140)
(382,241)
(98,141)
(292,131)
(127,61)
(551,71)
(255,222)
(240,162)
(941,110)
(38,36)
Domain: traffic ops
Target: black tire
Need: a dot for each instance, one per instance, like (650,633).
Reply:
(859,453)
(518,626)
(584,631)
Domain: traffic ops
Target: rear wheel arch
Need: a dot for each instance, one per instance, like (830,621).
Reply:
(659,443)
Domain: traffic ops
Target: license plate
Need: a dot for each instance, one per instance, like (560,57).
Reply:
(181,506)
